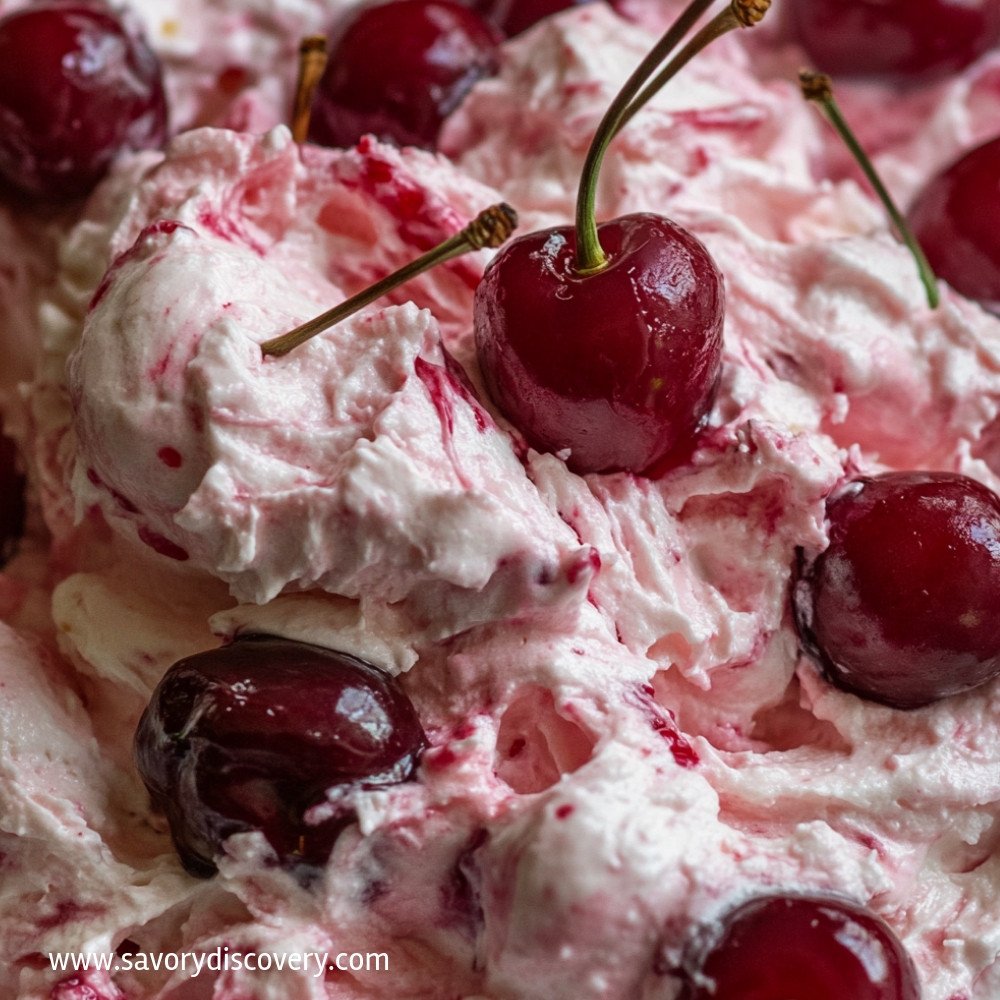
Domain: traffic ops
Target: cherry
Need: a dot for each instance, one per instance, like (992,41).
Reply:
(76,88)
(606,342)
(901,606)
(514,16)
(251,735)
(618,366)
(398,69)
(12,510)
(956,218)
(790,947)
(896,40)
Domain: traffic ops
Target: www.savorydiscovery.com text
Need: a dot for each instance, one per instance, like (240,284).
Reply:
(222,959)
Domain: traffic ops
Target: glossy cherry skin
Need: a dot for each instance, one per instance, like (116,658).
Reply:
(76,88)
(620,366)
(801,948)
(251,735)
(514,16)
(901,608)
(12,509)
(956,219)
(398,69)
(895,40)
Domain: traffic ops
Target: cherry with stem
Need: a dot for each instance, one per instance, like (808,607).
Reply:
(604,344)
(818,87)
(488,229)
(657,373)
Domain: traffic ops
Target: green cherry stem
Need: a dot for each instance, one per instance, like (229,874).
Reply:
(590,256)
(740,14)
(488,229)
(589,253)
(818,87)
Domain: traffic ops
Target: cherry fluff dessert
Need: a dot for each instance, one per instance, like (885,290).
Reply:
(603,613)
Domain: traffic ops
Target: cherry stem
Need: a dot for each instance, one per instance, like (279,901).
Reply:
(818,87)
(739,15)
(590,256)
(312,62)
(488,229)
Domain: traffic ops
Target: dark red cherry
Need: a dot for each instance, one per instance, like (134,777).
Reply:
(619,367)
(800,948)
(398,69)
(11,498)
(514,16)
(897,40)
(251,735)
(956,219)
(76,88)
(901,608)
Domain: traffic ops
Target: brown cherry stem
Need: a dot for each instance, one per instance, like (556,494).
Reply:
(312,62)
(818,87)
(488,229)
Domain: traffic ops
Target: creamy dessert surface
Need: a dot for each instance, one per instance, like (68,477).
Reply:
(626,740)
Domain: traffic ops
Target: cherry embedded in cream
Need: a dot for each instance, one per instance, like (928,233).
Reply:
(396,70)
(251,736)
(77,87)
(955,216)
(779,947)
(900,608)
(901,41)
(619,367)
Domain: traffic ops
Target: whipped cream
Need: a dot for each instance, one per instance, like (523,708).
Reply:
(626,742)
